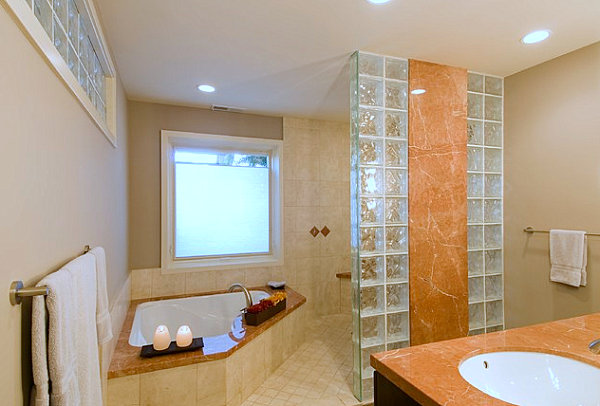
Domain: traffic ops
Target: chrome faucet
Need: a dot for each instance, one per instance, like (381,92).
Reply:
(246,293)
(595,346)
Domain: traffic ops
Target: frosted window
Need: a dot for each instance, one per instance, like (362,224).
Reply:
(221,203)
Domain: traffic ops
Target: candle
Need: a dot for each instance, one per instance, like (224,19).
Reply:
(162,338)
(184,336)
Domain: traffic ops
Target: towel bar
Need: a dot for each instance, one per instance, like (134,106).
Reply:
(17,292)
(530,230)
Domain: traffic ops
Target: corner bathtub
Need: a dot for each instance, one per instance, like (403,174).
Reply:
(209,317)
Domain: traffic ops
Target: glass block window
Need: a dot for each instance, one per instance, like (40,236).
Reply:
(379,109)
(485,202)
(70,32)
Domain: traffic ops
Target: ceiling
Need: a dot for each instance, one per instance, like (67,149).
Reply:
(290,57)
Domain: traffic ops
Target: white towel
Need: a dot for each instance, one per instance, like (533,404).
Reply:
(68,364)
(103,321)
(568,257)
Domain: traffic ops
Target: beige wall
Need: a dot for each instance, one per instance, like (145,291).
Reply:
(316,193)
(146,120)
(63,186)
(552,167)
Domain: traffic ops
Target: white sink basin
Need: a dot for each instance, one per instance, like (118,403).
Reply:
(533,379)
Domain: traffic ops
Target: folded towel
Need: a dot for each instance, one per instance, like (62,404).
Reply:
(568,257)
(69,359)
(103,321)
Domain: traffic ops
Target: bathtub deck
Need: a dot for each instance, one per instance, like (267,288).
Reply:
(127,361)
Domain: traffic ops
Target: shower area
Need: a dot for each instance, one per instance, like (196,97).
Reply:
(426,206)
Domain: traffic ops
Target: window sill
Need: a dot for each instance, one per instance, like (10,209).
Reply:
(219,264)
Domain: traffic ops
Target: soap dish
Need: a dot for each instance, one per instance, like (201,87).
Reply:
(148,351)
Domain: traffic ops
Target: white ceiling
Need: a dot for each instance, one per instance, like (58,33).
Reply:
(290,57)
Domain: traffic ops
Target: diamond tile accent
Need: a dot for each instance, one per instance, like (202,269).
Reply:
(314,231)
(325,231)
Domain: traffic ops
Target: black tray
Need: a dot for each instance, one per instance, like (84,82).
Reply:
(257,318)
(148,351)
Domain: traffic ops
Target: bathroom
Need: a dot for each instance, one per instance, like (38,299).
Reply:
(408,147)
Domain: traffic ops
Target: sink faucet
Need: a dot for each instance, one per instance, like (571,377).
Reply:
(243,289)
(595,346)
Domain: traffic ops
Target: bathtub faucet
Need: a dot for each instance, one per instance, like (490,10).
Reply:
(243,289)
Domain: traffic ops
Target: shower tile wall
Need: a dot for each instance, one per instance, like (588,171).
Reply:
(484,192)
(379,210)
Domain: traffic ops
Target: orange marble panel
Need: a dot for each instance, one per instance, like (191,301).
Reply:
(437,203)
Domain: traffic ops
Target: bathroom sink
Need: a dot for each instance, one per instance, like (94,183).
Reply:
(533,378)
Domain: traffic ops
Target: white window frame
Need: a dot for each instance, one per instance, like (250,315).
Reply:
(34,30)
(174,139)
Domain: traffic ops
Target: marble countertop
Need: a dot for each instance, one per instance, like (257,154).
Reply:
(429,373)
(126,359)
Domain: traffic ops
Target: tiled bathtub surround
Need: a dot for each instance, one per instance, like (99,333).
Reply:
(379,158)
(485,201)
(437,163)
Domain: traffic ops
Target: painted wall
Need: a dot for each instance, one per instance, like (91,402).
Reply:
(552,180)
(63,186)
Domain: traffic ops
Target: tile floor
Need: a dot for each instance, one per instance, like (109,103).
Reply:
(319,373)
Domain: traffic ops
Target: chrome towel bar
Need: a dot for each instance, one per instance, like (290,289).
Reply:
(530,230)
(17,292)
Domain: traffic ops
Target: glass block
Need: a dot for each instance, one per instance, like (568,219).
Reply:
(43,12)
(475,159)
(371,270)
(476,289)
(493,329)
(73,61)
(474,132)
(370,122)
(475,105)
(493,236)
(493,160)
(82,76)
(475,263)
(475,82)
(475,211)
(397,297)
(493,108)
(476,332)
(367,386)
(396,268)
(493,261)
(493,211)
(84,44)
(396,124)
(60,8)
(371,210)
(60,40)
(474,185)
(371,181)
(396,69)
(371,239)
(475,237)
(493,185)
(396,239)
(72,30)
(97,71)
(396,153)
(372,330)
(476,316)
(396,345)
(493,134)
(370,91)
(371,299)
(493,287)
(396,182)
(493,85)
(397,326)
(370,64)
(371,151)
(396,95)
(396,210)
(494,313)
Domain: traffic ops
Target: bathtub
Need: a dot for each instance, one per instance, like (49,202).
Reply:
(212,317)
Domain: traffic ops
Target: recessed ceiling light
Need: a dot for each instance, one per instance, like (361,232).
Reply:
(206,88)
(535,37)
(378,1)
(418,91)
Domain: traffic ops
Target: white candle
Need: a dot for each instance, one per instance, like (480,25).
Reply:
(184,336)
(162,338)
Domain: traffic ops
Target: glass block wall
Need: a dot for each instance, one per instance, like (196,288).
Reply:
(484,196)
(379,113)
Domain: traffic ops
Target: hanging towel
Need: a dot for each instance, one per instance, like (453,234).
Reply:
(103,321)
(568,257)
(67,365)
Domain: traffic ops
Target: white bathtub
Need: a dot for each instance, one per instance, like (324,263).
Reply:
(211,316)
